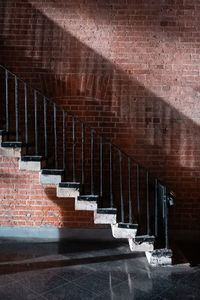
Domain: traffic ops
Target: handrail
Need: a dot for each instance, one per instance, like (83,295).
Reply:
(115,190)
(88,126)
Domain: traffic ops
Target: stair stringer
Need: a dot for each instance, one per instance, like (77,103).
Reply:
(107,217)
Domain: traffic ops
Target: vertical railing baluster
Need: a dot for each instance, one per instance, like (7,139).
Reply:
(74,147)
(7,109)
(147,199)
(129,191)
(16,109)
(36,129)
(111,192)
(83,158)
(26,114)
(156,208)
(64,139)
(45,128)
(101,170)
(92,162)
(138,194)
(121,187)
(166,217)
(55,135)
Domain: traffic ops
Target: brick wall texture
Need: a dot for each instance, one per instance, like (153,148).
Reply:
(129,68)
(25,202)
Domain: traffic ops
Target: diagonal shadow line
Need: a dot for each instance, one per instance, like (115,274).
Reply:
(160,139)
(33,266)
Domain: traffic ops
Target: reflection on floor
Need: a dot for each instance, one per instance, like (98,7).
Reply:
(89,270)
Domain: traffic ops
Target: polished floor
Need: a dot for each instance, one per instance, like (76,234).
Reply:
(89,270)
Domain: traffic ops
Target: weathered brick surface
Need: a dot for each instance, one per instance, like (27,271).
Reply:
(24,201)
(130,68)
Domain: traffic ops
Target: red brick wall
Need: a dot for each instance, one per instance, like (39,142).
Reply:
(131,68)
(25,202)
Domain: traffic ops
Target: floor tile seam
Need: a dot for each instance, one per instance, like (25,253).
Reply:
(71,280)
(28,289)
(83,288)
(20,280)
(116,285)
(41,294)
(68,283)
(50,290)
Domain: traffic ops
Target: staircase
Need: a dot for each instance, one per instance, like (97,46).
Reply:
(84,165)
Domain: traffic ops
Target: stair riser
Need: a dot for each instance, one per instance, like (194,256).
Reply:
(11,152)
(50,179)
(31,165)
(104,218)
(143,247)
(85,205)
(123,233)
(67,192)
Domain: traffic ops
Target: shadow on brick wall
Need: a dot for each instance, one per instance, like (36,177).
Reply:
(108,98)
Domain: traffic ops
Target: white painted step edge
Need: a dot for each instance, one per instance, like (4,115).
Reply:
(142,247)
(123,233)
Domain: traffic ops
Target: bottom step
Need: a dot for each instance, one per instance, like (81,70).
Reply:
(159,257)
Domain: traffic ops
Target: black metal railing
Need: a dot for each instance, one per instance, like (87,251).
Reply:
(86,156)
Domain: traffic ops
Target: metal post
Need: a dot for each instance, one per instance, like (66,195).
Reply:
(166,217)
(74,148)
(92,162)
(45,129)
(111,193)
(129,191)
(64,137)
(121,187)
(7,112)
(147,198)
(36,130)
(83,158)
(55,136)
(138,193)
(156,207)
(16,109)
(26,114)
(101,168)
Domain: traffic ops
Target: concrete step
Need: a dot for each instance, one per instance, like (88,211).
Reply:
(86,202)
(12,149)
(105,216)
(124,230)
(51,176)
(32,162)
(68,189)
(142,243)
(159,257)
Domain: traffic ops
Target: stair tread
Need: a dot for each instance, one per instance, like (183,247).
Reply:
(52,171)
(144,238)
(127,225)
(32,158)
(107,211)
(13,144)
(87,198)
(69,184)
